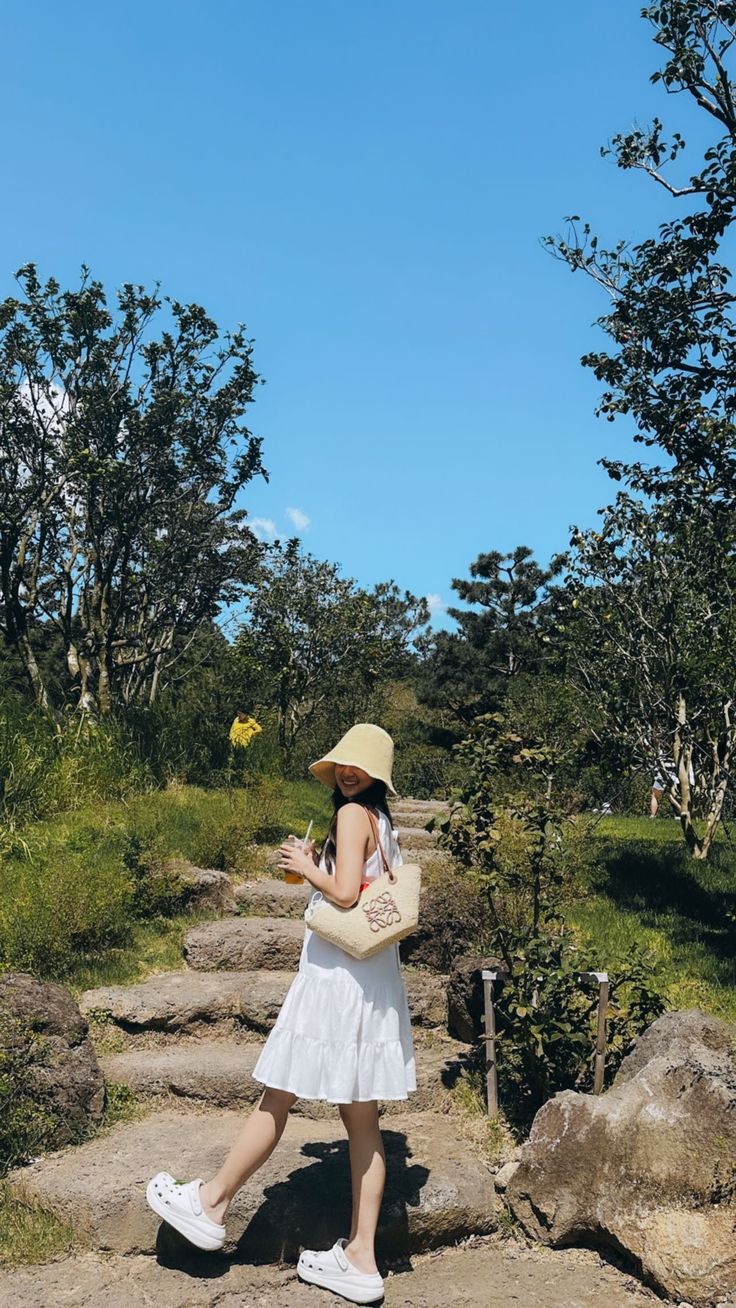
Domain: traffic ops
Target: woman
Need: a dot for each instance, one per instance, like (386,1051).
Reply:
(343,1033)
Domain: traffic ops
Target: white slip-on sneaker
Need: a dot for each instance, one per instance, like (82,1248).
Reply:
(330,1269)
(179,1204)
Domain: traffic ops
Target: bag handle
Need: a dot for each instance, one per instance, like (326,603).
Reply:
(379,846)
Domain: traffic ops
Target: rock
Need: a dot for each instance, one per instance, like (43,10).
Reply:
(465,1005)
(240,943)
(261,998)
(475,1274)
(649,1168)
(427,996)
(269,897)
(504,1175)
(173,1001)
(207,887)
(436,1192)
(64,1076)
(672,1036)
(220,1074)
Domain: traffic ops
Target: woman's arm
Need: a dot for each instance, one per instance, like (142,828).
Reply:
(351,838)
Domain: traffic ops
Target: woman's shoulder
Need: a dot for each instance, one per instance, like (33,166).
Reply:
(352,817)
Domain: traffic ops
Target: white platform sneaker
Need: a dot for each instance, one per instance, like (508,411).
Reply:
(330,1269)
(179,1204)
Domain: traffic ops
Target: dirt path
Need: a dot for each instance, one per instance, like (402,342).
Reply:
(485,1273)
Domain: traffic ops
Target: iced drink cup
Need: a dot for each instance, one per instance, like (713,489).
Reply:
(296,878)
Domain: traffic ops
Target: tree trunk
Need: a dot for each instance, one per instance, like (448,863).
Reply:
(713,819)
(33,672)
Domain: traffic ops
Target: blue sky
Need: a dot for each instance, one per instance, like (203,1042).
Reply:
(364,183)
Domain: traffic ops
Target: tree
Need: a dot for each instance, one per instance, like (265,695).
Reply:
(673,365)
(122,452)
(656,586)
(501,637)
(513,827)
(314,640)
(652,633)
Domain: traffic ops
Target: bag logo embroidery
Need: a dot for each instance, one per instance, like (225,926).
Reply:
(382,911)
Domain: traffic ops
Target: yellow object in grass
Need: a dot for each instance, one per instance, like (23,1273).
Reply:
(243,730)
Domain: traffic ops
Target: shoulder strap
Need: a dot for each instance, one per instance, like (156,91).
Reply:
(377,837)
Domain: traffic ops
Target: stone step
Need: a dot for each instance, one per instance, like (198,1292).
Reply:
(416,838)
(428,856)
(407,801)
(437,1191)
(269,897)
(238,944)
(414,817)
(219,1073)
(175,1001)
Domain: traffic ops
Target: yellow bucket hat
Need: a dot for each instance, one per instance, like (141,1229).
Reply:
(364,746)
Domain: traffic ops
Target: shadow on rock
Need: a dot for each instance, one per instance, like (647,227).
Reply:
(311,1207)
(174,1251)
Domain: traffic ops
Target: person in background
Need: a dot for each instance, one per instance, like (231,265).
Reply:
(667,782)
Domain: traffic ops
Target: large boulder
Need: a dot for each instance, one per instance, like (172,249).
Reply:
(43,1031)
(649,1168)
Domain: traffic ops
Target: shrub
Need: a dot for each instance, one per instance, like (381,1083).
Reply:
(547,1022)
(424,771)
(157,891)
(454,919)
(48,767)
(514,827)
(55,907)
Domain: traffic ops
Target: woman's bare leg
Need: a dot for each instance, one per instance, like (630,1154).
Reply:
(255,1143)
(368,1176)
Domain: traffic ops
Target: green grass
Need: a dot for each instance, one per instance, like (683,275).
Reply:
(642,887)
(153,947)
(80,895)
(28,1233)
(661,830)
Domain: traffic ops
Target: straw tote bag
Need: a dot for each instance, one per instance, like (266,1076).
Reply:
(387,910)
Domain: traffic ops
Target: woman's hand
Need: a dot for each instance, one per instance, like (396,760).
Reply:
(295,857)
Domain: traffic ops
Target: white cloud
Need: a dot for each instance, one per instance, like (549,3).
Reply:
(263,528)
(436,604)
(299,519)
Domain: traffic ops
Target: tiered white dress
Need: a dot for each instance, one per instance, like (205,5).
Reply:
(344,1032)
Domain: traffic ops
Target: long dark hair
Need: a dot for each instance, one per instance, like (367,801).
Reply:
(374,796)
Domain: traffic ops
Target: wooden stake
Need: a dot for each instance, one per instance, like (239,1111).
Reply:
(499,975)
(490,1042)
(599,1063)
(600,1040)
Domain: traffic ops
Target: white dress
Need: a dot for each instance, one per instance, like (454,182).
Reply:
(344,1032)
